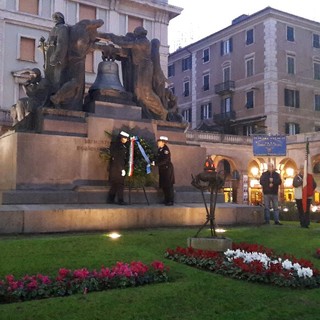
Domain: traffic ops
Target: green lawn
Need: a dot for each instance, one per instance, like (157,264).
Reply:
(190,293)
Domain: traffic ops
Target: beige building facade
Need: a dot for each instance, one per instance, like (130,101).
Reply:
(260,75)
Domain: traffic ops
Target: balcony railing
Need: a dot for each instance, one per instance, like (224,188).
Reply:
(223,117)
(224,87)
(202,136)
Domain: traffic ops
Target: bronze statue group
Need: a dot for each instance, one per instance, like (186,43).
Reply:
(63,84)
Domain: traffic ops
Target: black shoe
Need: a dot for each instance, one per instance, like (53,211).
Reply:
(169,204)
(122,203)
(110,201)
(307,227)
(278,223)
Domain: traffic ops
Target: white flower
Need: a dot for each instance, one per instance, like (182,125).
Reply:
(249,257)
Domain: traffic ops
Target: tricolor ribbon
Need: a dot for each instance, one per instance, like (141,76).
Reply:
(131,153)
(131,158)
(146,158)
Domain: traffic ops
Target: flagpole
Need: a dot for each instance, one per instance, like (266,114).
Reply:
(305,178)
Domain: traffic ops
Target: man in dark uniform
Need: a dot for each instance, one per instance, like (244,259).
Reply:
(166,171)
(118,164)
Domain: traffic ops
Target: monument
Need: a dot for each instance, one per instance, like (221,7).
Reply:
(59,129)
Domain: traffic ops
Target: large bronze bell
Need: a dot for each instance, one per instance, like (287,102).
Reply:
(108,77)
(107,86)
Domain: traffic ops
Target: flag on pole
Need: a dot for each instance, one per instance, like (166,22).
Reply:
(307,186)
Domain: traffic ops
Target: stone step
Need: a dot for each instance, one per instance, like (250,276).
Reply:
(15,219)
(97,195)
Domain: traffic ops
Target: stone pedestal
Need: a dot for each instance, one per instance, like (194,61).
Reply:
(210,243)
(63,153)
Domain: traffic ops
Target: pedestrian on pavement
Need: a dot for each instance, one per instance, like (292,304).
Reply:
(118,165)
(270,181)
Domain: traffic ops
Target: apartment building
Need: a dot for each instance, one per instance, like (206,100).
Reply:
(24,22)
(260,75)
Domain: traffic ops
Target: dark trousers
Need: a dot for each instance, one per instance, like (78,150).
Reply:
(168,194)
(304,217)
(116,190)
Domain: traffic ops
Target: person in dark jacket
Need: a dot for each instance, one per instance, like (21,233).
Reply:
(117,171)
(270,181)
(166,171)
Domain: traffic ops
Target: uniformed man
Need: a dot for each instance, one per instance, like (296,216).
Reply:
(166,171)
(118,164)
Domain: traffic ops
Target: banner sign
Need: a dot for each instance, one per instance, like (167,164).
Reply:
(269,146)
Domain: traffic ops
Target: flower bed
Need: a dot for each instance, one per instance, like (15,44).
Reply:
(254,263)
(69,282)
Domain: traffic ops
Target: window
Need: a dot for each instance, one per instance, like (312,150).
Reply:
(317,102)
(249,37)
(29,6)
(316,70)
(249,67)
(186,63)
(206,111)
(249,98)
(186,85)
(290,34)
(316,41)
(187,115)
(291,98)
(248,130)
(134,22)
(292,128)
(27,49)
(226,47)
(206,82)
(290,65)
(226,105)
(87,12)
(226,74)
(171,70)
(206,55)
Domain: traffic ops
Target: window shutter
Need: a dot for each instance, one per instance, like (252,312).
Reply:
(221,48)
(210,110)
(297,99)
(231,45)
(297,128)
(287,128)
(286,97)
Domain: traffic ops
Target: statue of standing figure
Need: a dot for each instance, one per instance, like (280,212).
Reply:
(143,71)
(65,54)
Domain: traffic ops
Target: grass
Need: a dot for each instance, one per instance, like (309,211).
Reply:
(191,294)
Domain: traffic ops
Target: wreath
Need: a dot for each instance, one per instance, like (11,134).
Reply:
(142,153)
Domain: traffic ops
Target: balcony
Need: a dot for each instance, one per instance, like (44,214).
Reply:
(224,87)
(224,117)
